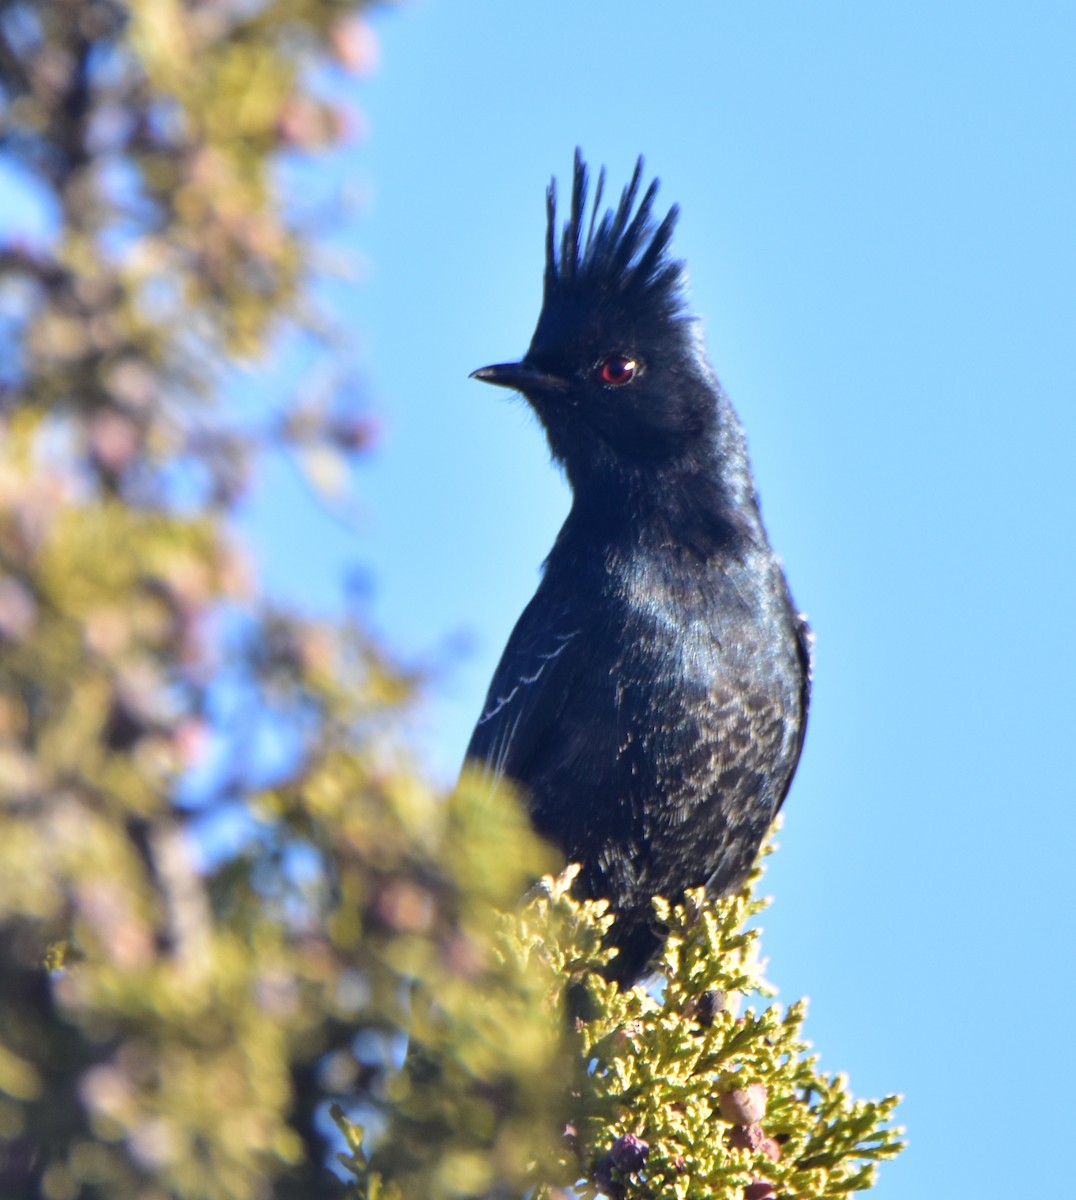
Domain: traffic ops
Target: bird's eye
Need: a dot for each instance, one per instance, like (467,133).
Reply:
(617,369)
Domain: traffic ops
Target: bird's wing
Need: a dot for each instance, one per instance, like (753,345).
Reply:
(530,688)
(805,650)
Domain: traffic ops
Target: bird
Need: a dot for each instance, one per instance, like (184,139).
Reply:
(651,702)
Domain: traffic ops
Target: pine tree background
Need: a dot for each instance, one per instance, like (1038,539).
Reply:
(181,1010)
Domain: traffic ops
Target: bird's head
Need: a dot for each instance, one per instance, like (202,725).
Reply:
(615,370)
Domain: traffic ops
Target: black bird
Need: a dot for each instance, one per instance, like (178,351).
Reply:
(652,699)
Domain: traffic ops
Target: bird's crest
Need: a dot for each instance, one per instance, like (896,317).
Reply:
(624,253)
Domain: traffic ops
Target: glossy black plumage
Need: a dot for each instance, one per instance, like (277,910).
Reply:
(652,698)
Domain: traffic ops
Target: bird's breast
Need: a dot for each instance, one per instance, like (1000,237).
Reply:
(706,622)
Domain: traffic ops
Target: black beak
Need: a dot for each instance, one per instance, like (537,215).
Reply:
(522,377)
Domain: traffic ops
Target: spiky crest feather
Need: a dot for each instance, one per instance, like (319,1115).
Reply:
(621,253)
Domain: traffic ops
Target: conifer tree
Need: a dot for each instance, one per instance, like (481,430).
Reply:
(180,1023)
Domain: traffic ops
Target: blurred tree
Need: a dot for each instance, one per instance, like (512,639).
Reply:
(177,1015)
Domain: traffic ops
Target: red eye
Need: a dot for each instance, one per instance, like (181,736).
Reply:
(617,369)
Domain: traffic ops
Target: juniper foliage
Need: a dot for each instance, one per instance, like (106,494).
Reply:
(695,1088)
(174,1023)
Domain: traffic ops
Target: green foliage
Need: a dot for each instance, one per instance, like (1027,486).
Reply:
(180,1010)
(673,1097)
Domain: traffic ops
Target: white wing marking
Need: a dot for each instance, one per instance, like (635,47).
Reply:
(524,681)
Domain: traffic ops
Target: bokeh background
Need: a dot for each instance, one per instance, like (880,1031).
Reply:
(877,211)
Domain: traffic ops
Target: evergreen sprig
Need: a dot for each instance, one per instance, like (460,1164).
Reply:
(668,1090)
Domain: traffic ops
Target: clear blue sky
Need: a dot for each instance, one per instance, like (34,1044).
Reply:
(879,204)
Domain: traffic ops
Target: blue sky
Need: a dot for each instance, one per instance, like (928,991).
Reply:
(878,213)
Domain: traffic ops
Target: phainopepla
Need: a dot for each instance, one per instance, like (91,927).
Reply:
(652,699)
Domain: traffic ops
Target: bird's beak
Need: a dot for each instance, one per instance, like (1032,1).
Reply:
(521,376)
